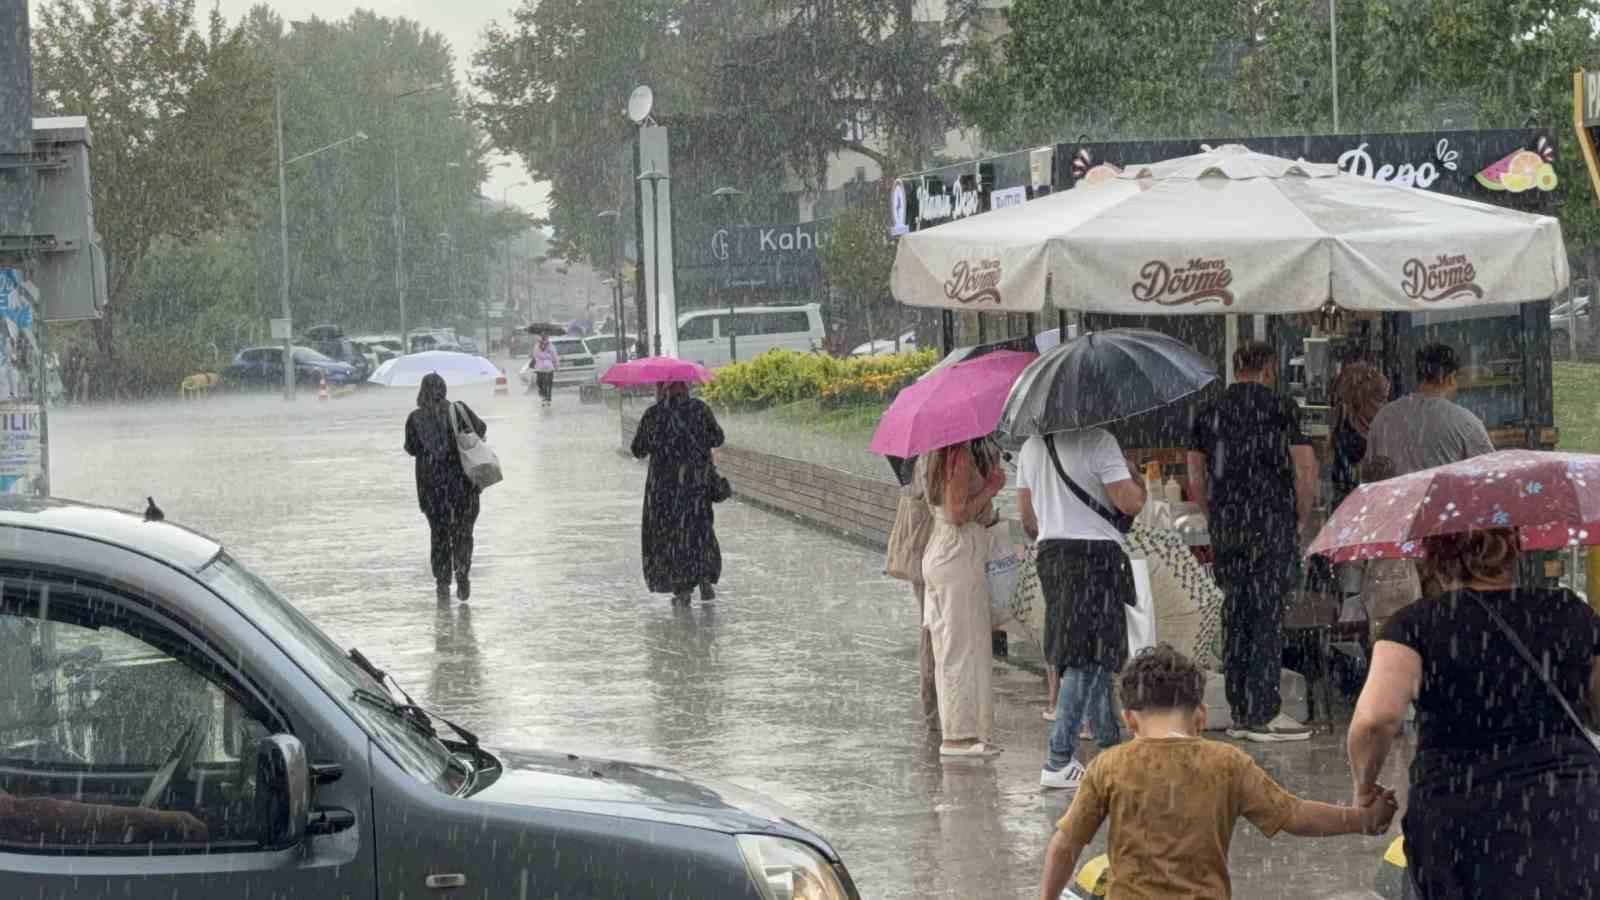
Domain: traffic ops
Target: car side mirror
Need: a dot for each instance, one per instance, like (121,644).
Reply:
(283,791)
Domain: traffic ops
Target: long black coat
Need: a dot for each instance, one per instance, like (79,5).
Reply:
(678,535)
(442,485)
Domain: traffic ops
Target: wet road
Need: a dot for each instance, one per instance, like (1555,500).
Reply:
(800,682)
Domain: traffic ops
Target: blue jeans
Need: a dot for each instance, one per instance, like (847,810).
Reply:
(1084,692)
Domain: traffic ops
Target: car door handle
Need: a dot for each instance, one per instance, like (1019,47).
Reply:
(445,882)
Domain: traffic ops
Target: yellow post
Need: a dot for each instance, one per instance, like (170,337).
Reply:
(1591,576)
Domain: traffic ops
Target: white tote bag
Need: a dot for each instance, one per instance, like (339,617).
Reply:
(1003,568)
(477,460)
(1141,615)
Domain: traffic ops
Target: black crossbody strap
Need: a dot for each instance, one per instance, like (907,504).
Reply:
(1527,657)
(1122,523)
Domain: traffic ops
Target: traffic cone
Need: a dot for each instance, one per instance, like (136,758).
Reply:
(501,387)
(322,387)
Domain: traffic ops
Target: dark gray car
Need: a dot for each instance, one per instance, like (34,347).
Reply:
(171,728)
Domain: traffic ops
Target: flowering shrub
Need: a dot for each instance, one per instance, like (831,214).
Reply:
(781,377)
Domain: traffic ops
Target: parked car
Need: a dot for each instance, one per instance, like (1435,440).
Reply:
(433,340)
(885,347)
(262,367)
(385,346)
(142,666)
(703,334)
(344,350)
(603,347)
(1566,319)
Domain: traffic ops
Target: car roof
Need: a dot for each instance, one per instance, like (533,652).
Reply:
(163,541)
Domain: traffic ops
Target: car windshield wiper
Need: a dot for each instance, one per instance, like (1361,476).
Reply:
(410,713)
(409,709)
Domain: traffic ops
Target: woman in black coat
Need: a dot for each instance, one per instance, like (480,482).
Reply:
(679,541)
(447,497)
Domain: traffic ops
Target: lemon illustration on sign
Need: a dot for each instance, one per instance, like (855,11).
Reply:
(1518,172)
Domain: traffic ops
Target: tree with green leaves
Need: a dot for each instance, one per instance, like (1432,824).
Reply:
(856,259)
(178,111)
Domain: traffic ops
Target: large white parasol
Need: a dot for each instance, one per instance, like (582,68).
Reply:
(457,369)
(1232,231)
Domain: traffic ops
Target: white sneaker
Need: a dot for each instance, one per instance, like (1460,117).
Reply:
(1049,715)
(1280,730)
(1065,779)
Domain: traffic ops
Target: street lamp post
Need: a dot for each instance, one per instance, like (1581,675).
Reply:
(399,220)
(283,234)
(615,281)
(655,177)
(727,195)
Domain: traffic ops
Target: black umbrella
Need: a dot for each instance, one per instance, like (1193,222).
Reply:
(547,328)
(1102,377)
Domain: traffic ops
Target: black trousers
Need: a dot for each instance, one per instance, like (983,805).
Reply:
(1516,822)
(451,544)
(546,382)
(1252,620)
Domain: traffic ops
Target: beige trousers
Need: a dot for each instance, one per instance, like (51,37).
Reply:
(957,617)
(925,667)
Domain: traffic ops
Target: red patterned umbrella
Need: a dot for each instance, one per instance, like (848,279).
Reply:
(1551,499)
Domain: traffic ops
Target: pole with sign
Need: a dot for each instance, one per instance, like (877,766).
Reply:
(1586,122)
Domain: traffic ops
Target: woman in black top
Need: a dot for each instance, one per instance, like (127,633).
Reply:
(1358,393)
(446,495)
(1504,786)
(678,535)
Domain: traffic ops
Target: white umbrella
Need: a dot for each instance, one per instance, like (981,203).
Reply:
(457,369)
(1233,231)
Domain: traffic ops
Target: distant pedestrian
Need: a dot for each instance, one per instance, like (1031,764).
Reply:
(545,363)
(961,482)
(1253,470)
(1086,578)
(448,498)
(1174,797)
(1504,784)
(908,541)
(678,534)
(1427,428)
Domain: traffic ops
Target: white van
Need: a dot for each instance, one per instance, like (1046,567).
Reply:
(703,334)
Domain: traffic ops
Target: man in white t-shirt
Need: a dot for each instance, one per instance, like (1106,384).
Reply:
(1086,579)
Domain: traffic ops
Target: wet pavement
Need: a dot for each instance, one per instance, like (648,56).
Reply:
(800,682)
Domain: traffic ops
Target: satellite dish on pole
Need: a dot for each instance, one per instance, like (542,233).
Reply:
(640,102)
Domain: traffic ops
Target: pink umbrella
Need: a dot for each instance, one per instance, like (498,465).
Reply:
(1551,499)
(655,370)
(950,405)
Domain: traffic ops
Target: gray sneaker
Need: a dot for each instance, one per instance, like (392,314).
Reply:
(1280,730)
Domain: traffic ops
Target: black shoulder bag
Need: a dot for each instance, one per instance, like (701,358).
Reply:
(1527,657)
(1119,520)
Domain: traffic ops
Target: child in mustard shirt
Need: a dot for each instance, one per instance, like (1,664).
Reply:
(1173,797)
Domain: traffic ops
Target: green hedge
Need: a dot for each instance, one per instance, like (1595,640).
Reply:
(781,377)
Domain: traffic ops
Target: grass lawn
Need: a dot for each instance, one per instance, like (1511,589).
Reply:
(1577,401)
(854,424)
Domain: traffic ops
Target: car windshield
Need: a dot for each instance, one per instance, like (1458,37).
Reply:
(422,756)
(308,355)
(601,344)
(570,347)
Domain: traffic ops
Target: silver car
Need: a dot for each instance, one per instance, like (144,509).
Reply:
(171,728)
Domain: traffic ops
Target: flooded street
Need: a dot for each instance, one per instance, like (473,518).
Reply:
(800,682)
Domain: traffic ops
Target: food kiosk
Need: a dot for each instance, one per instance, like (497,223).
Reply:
(1504,346)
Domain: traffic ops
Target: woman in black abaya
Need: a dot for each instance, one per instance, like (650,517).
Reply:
(678,536)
